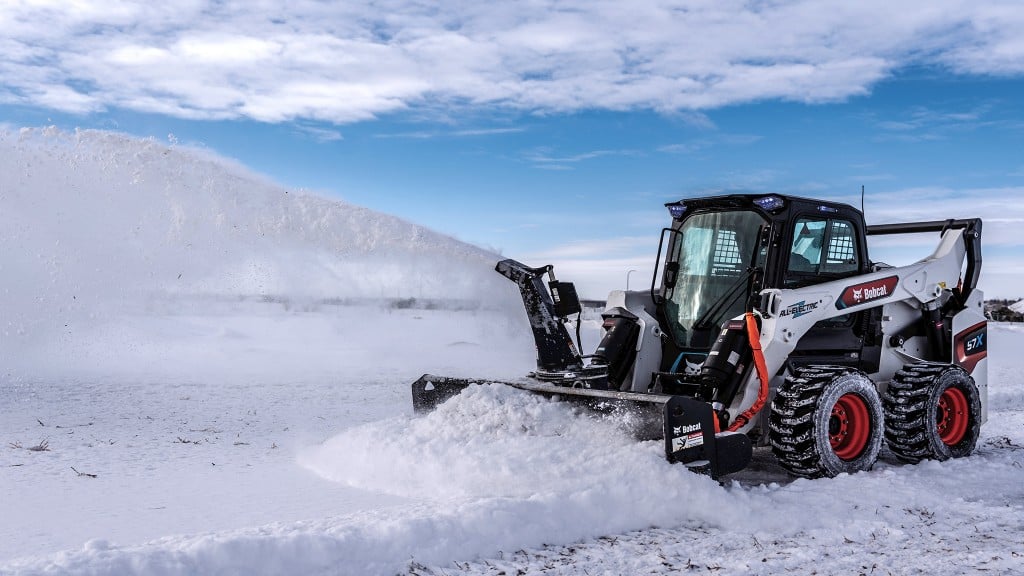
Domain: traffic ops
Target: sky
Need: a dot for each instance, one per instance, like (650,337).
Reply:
(554,132)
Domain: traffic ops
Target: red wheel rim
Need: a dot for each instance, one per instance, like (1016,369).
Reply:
(952,416)
(849,426)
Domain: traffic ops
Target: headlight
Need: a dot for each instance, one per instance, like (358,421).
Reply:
(770,203)
(676,210)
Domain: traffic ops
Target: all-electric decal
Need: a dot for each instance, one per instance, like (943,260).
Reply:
(799,309)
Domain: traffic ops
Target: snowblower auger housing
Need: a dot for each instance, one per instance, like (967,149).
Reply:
(687,425)
(767,324)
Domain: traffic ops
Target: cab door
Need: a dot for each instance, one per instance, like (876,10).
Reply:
(825,248)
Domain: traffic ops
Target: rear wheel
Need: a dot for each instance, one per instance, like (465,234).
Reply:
(932,410)
(826,420)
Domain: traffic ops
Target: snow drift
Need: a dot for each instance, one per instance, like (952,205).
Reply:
(497,469)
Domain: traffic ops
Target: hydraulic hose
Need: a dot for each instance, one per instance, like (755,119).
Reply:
(762,375)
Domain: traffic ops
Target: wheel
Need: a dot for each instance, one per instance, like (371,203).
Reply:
(826,420)
(932,410)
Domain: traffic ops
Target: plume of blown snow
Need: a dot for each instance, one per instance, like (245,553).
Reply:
(96,225)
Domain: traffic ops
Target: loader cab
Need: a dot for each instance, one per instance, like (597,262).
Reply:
(722,251)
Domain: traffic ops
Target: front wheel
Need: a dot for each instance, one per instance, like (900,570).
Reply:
(826,420)
(932,410)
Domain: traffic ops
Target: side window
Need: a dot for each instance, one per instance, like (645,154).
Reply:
(841,257)
(805,255)
(822,250)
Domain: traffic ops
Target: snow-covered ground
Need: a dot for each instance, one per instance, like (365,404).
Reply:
(333,474)
(255,418)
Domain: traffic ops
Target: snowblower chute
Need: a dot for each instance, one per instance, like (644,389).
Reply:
(771,326)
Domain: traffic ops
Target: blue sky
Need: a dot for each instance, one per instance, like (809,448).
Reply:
(555,131)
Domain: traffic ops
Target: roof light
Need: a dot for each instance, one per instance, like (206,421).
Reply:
(676,210)
(828,209)
(770,203)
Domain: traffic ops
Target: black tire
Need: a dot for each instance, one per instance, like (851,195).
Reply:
(932,411)
(826,421)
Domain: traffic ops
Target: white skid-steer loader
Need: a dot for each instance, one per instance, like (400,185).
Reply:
(766,324)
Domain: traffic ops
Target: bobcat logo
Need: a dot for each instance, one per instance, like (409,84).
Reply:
(691,367)
(865,292)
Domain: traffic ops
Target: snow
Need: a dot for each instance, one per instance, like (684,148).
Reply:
(98,226)
(256,418)
(1017,306)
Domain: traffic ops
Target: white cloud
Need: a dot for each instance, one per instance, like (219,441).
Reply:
(346,62)
(320,134)
(487,131)
(924,124)
(995,44)
(543,156)
(699,144)
(1001,209)
(466,133)
(600,249)
(227,50)
(595,278)
(598,266)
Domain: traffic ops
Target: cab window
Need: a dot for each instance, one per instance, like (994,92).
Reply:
(822,250)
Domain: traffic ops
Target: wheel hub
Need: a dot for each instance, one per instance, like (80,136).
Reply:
(952,416)
(849,426)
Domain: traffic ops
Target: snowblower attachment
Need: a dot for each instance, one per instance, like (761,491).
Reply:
(688,427)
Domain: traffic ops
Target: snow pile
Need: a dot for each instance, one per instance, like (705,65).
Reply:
(1018,307)
(494,442)
(107,211)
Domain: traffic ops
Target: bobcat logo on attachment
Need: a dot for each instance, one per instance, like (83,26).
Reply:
(684,437)
(867,292)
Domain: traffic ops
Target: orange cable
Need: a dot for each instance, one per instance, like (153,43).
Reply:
(762,375)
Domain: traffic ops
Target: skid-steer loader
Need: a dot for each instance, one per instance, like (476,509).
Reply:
(767,324)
